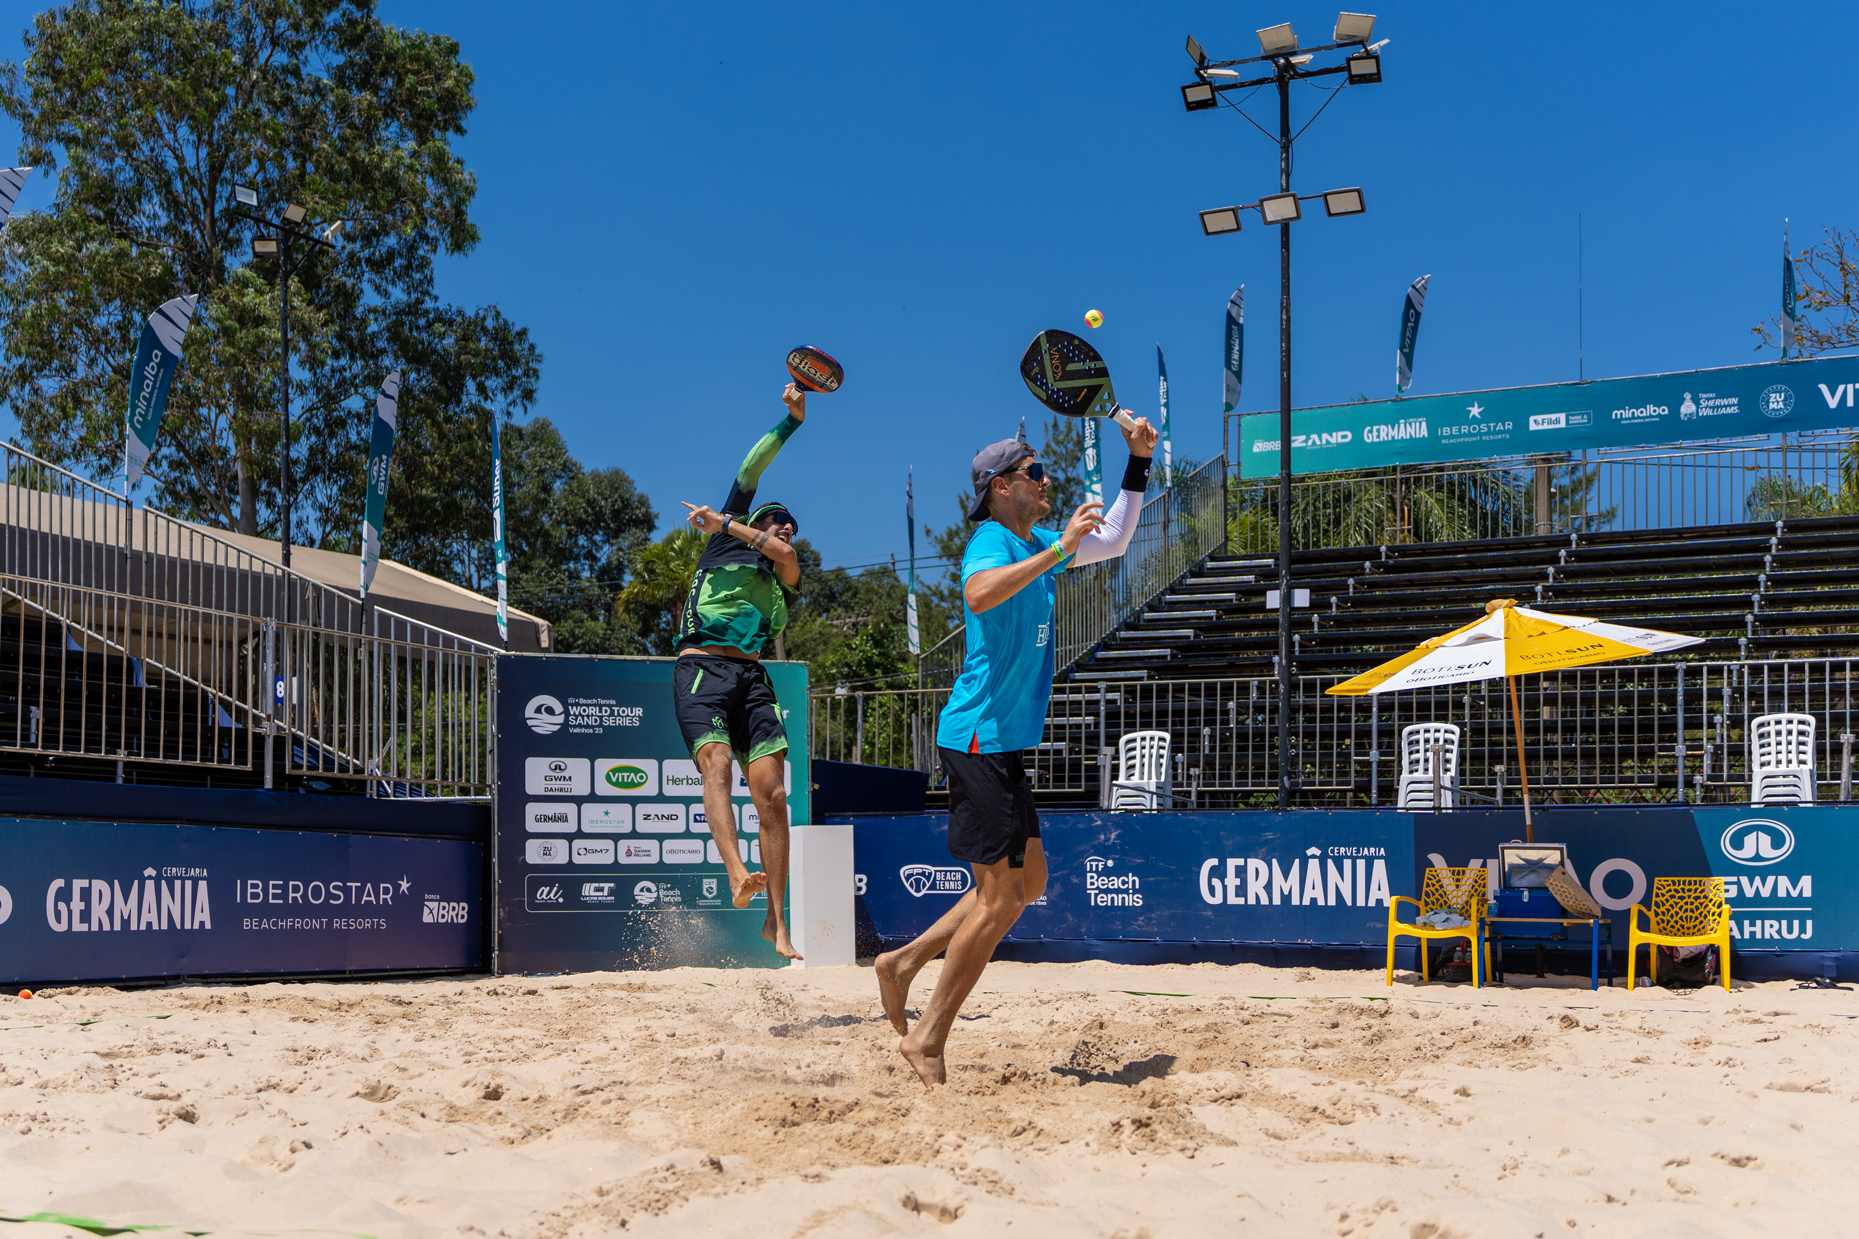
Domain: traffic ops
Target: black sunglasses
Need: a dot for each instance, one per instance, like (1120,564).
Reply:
(781,517)
(1035,472)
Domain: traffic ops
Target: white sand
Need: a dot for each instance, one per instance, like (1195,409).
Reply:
(773,1104)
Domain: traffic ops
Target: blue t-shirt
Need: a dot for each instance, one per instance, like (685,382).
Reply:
(1006,681)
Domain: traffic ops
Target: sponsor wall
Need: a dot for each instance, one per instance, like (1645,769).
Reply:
(604,855)
(1634,412)
(1196,883)
(86,900)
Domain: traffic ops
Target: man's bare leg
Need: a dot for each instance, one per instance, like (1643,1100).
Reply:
(765,788)
(713,762)
(1000,895)
(897,969)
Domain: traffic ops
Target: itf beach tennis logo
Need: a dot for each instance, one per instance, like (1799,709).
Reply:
(544,714)
(921,880)
(1107,889)
(1757,841)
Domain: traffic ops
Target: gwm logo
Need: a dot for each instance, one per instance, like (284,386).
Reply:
(544,715)
(1757,841)
(921,880)
(627,778)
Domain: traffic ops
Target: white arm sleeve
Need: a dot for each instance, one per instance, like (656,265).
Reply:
(1112,538)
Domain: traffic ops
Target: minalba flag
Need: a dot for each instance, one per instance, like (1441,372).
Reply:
(910,527)
(158,356)
(1093,458)
(380,456)
(1410,332)
(12,180)
(1161,380)
(1789,323)
(497,533)
(1235,346)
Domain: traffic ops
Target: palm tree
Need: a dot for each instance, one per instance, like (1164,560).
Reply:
(661,577)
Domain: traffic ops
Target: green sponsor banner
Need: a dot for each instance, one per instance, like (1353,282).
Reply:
(1726,403)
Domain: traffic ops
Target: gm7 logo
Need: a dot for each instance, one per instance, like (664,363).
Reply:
(441,912)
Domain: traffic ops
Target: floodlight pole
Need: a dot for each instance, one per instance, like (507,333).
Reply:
(1288,765)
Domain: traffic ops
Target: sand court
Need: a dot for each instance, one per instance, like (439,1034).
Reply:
(1084,1099)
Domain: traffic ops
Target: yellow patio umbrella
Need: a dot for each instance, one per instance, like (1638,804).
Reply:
(1510,641)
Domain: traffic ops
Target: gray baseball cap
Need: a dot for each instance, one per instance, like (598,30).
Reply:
(993,460)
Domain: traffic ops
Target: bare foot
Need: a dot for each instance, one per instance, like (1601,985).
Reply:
(776,932)
(753,884)
(929,1067)
(893,991)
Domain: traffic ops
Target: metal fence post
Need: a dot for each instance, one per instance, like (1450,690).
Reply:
(1846,767)
(1438,752)
(271,693)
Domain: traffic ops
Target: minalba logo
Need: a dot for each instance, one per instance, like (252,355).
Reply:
(1757,841)
(544,714)
(627,778)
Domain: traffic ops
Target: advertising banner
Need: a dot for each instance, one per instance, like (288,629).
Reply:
(1235,349)
(1730,402)
(604,856)
(380,458)
(1411,306)
(94,901)
(158,356)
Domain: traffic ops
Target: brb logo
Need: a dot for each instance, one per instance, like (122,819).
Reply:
(438,911)
(1757,841)
(544,714)
(921,880)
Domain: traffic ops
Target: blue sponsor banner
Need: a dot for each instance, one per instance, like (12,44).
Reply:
(1324,878)
(1729,402)
(83,900)
(604,854)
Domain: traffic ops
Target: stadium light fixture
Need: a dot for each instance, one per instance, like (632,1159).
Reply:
(1198,97)
(1197,51)
(1280,208)
(1276,40)
(245,197)
(264,247)
(293,214)
(1344,201)
(1232,73)
(1364,69)
(1220,221)
(1354,27)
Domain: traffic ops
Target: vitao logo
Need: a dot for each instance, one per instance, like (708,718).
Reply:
(626,778)
(1757,841)
(921,880)
(544,714)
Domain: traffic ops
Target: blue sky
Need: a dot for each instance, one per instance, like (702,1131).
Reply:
(673,195)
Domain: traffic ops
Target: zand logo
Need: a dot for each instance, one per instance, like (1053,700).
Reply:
(1757,841)
(552,893)
(544,715)
(921,880)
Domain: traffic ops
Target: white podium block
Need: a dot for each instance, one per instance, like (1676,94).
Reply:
(820,890)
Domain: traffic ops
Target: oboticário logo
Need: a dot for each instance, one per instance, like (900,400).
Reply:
(627,778)
(544,714)
(1757,841)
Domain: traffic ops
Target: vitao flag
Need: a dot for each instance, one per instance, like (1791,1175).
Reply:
(1161,382)
(12,180)
(1410,332)
(910,597)
(157,357)
(380,456)
(1788,298)
(497,539)
(1235,346)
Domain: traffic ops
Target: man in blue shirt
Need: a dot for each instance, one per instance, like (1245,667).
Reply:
(996,710)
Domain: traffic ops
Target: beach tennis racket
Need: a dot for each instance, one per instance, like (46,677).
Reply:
(814,370)
(1067,376)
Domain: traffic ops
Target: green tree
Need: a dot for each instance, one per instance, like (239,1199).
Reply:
(660,581)
(149,114)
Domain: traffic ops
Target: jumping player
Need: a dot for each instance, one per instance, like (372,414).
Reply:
(724,701)
(996,710)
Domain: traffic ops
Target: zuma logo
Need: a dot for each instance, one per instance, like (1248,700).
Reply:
(544,715)
(921,880)
(1757,841)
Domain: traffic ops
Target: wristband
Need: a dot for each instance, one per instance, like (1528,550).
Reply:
(1063,554)
(1136,473)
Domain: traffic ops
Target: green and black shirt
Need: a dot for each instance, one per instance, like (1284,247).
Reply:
(736,598)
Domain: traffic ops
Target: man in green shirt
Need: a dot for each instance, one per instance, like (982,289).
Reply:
(738,603)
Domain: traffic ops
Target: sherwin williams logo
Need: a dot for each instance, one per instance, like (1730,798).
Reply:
(626,778)
(544,715)
(1757,841)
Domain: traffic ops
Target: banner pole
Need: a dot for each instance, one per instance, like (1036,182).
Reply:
(1523,769)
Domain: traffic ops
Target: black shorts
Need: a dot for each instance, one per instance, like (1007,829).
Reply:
(991,812)
(727,701)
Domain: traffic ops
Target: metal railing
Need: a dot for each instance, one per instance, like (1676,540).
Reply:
(1637,732)
(1788,477)
(1179,526)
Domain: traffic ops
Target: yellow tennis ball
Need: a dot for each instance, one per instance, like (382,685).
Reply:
(25,993)
(1093,319)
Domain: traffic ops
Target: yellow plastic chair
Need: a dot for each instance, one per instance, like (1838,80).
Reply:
(1685,912)
(1464,891)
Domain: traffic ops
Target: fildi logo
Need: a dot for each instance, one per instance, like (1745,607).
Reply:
(544,714)
(1757,841)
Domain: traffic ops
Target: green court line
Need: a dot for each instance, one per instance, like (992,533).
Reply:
(1151,993)
(96,1227)
(75,1024)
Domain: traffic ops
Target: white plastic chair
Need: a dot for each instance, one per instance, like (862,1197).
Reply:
(1143,779)
(1416,787)
(1781,759)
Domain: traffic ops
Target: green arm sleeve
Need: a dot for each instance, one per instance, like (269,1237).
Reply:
(742,491)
